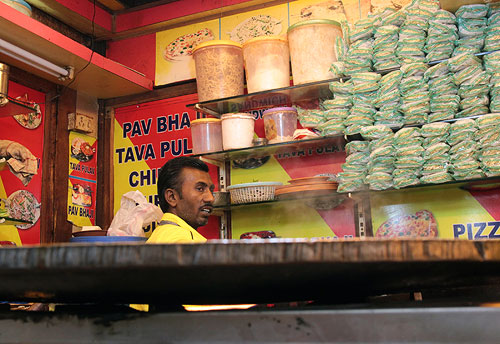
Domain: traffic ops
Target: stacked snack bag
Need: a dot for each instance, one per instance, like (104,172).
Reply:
(408,157)
(444,99)
(414,91)
(387,101)
(492,66)
(463,150)
(441,36)
(412,35)
(488,138)
(436,153)
(381,158)
(492,37)
(355,168)
(473,84)
(360,53)
(472,23)
(384,47)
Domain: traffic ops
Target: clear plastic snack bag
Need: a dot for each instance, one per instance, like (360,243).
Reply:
(135,213)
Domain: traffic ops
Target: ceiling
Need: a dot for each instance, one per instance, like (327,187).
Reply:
(130,5)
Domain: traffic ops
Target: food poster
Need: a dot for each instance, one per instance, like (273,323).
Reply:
(146,136)
(82,181)
(469,212)
(21,150)
(270,21)
(174,48)
(307,217)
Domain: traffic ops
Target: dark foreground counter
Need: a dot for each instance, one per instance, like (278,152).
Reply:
(243,271)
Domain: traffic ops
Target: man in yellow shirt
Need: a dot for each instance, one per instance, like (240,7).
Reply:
(185,192)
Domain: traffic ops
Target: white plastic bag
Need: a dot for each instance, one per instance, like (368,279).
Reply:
(135,213)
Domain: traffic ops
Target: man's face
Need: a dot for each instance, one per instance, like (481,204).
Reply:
(196,202)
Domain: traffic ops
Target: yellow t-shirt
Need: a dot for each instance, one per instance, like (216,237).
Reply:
(177,231)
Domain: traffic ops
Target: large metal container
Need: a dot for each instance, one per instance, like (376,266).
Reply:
(4,79)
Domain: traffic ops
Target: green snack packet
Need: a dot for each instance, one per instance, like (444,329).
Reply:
(416,150)
(435,166)
(457,137)
(489,152)
(379,181)
(351,176)
(438,70)
(410,142)
(353,129)
(356,146)
(473,91)
(469,102)
(382,151)
(405,181)
(405,172)
(492,119)
(361,78)
(336,113)
(354,168)
(429,141)
(409,162)
(459,62)
(472,111)
(381,160)
(461,125)
(405,134)
(340,87)
(413,69)
(340,48)
(310,118)
(375,132)
(463,156)
(358,158)
(435,150)
(351,186)
(340,102)
(465,165)
(440,115)
(436,178)
(337,69)
(415,82)
(387,140)
(471,174)
(481,78)
(443,16)
(485,132)
(435,129)
(380,169)
(467,145)
(466,73)
(472,11)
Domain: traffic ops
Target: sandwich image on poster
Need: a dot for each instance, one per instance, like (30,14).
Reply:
(174,50)
(269,21)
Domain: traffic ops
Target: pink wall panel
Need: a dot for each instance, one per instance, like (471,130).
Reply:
(137,53)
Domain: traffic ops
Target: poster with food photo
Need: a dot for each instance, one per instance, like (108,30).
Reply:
(82,179)
(21,150)
(174,50)
(338,10)
(269,21)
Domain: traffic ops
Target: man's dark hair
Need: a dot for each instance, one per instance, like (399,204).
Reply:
(170,176)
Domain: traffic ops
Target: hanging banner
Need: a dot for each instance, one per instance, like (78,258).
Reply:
(21,149)
(146,136)
(82,181)
(468,212)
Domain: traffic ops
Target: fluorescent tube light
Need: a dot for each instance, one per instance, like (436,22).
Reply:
(34,61)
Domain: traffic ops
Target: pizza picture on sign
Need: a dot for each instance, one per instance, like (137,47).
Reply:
(29,120)
(256,26)
(418,225)
(183,46)
(23,205)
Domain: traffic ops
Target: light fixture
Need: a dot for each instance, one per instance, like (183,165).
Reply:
(32,60)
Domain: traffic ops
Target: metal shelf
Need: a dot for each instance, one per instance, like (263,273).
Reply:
(291,148)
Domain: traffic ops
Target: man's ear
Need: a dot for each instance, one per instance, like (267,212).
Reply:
(172,197)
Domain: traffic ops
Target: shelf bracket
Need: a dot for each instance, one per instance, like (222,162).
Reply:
(206,111)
